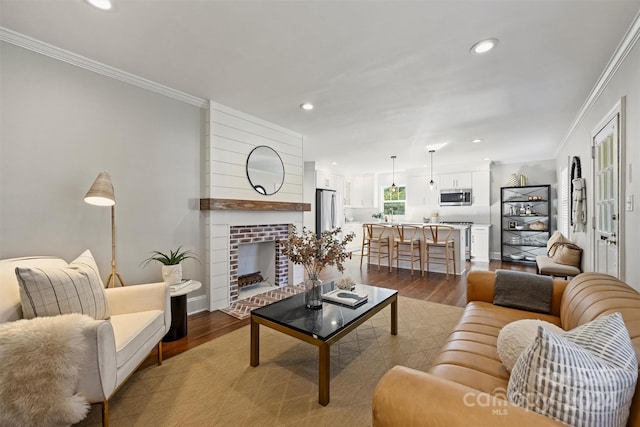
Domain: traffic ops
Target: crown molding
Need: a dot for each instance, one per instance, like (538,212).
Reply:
(51,51)
(622,51)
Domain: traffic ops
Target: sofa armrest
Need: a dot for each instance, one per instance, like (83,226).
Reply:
(98,380)
(481,286)
(132,299)
(406,397)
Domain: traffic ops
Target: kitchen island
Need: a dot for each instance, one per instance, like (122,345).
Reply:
(459,238)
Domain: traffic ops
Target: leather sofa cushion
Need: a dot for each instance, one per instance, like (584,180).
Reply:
(470,354)
(132,330)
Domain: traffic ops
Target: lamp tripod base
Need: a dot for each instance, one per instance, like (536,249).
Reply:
(111,280)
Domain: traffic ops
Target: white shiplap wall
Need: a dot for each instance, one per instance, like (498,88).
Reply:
(230,137)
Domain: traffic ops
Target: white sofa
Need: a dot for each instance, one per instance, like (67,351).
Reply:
(140,317)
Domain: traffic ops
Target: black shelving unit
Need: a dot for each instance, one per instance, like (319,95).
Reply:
(526,222)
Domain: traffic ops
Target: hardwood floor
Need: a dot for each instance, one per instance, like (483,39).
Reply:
(433,287)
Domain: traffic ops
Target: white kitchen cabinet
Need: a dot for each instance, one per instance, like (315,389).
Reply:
(363,191)
(480,189)
(347,193)
(326,180)
(455,180)
(356,191)
(480,243)
(420,195)
(356,228)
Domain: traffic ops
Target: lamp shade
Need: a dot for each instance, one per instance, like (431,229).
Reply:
(101,192)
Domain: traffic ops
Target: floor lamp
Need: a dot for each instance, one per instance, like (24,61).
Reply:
(101,194)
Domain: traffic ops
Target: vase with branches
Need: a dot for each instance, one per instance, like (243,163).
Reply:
(315,253)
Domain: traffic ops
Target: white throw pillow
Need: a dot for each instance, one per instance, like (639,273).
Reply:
(50,291)
(585,386)
(516,336)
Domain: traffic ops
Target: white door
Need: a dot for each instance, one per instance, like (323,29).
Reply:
(606,197)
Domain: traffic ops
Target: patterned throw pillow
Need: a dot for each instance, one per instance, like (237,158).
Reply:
(76,288)
(590,385)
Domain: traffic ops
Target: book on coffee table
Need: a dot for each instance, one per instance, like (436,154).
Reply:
(345,296)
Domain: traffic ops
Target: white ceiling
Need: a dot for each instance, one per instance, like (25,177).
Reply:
(386,77)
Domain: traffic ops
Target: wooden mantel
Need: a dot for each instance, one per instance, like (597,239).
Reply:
(251,205)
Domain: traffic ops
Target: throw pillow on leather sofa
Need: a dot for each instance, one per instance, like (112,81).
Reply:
(468,382)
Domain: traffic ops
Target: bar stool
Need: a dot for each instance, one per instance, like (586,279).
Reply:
(374,241)
(439,237)
(406,242)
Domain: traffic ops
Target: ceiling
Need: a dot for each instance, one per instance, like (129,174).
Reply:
(386,77)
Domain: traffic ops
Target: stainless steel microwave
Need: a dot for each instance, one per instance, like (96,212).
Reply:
(455,197)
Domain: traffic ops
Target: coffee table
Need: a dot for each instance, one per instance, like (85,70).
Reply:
(322,327)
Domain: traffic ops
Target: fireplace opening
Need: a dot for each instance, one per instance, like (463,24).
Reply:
(256,268)
(269,260)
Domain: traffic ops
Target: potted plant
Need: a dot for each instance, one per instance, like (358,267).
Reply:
(171,263)
(314,253)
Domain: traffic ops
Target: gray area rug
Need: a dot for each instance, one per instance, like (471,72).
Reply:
(213,384)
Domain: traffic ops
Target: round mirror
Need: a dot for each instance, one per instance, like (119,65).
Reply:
(265,170)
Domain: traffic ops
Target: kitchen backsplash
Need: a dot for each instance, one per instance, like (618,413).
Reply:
(475,214)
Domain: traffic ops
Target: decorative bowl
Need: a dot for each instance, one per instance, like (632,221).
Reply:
(514,256)
(538,226)
(519,227)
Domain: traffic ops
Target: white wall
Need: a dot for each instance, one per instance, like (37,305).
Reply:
(61,125)
(624,83)
(232,136)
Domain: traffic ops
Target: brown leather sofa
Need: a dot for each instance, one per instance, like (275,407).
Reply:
(467,383)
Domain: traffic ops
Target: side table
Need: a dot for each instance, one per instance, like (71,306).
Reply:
(178,327)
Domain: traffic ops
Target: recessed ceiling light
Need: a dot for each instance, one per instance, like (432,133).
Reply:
(307,106)
(483,46)
(334,163)
(477,140)
(101,4)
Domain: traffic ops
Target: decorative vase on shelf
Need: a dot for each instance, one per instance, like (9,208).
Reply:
(313,293)
(514,180)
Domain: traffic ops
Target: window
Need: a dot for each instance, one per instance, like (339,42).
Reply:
(394,202)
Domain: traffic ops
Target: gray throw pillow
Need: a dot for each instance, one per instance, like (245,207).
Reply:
(50,291)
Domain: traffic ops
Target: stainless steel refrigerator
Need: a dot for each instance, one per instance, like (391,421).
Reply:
(327,209)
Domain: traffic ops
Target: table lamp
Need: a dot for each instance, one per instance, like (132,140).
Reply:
(101,194)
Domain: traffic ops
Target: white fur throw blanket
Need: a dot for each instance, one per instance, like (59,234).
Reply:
(40,361)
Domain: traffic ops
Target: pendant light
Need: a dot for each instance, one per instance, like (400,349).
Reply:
(431,183)
(393,177)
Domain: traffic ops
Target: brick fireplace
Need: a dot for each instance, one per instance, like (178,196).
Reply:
(231,223)
(245,234)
